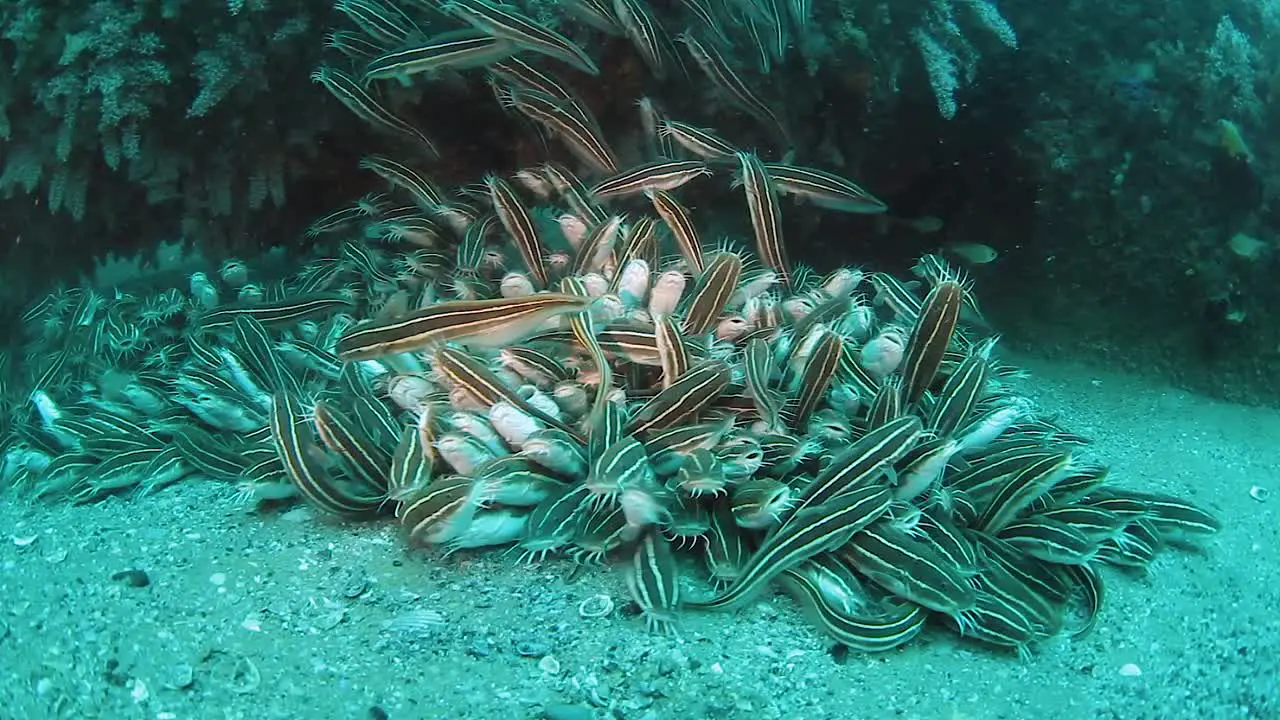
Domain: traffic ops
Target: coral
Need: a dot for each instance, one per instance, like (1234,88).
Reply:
(157,114)
(950,58)
(1231,75)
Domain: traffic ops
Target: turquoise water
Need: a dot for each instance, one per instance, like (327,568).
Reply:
(629,360)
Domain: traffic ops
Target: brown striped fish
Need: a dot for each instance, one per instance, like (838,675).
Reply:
(519,224)
(930,338)
(817,529)
(481,323)
(684,399)
(766,216)
(678,220)
(472,375)
(816,378)
(298,455)
(716,285)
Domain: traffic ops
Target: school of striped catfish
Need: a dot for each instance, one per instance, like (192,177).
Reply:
(558,360)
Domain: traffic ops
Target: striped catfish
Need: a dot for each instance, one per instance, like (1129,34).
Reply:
(964,388)
(658,175)
(822,189)
(597,246)
(1051,540)
(930,339)
(1038,592)
(451,51)
(758,366)
(672,351)
(553,523)
(816,378)
(622,464)
(469,256)
(886,404)
(984,474)
(910,567)
(504,22)
(383,21)
(574,192)
(517,72)
(759,503)
(632,344)
(725,551)
(645,33)
(424,193)
(684,399)
(922,468)
(364,458)
(721,74)
(348,92)
(653,579)
(277,314)
(519,224)
(534,366)
(580,134)
(996,622)
(892,293)
(442,511)
(411,466)
(670,449)
(357,46)
(715,286)
(701,473)
(860,465)
(699,141)
(705,12)
(829,593)
(208,453)
(680,223)
(481,323)
(639,241)
(586,330)
(1090,584)
(1173,518)
(603,529)
(766,216)
(598,14)
(815,530)
(467,372)
(558,452)
(1020,489)
(297,453)
(258,351)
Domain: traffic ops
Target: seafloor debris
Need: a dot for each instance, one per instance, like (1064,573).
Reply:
(544,363)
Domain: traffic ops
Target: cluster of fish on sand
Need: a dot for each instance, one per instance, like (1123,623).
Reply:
(558,361)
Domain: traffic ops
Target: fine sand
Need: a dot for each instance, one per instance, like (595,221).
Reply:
(283,614)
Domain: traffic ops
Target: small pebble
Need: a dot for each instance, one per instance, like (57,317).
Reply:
(549,665)
(1130,670)
(595,606)
(354,586)
(132,578)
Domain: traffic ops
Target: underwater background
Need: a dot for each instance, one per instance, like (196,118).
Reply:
(639,359)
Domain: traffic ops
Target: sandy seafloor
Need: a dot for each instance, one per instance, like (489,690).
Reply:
(284,614)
